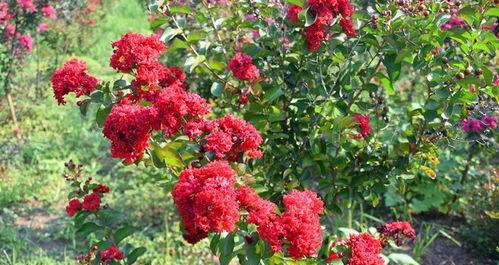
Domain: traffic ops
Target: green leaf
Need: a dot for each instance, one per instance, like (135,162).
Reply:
(227,245)
(180,10)
(97,96)
(392,67)
(84,104)
(192,62)
(169,156)
(195,36)
(122,233)
(169,34)
(347,231)
(135,254)
(79,218)
(214,244)
(88,228)
(155,24)
(101,115)
(216,89)
(272,94)
(295,2)
(493,12)
(402,259)
(309,19)
(346,122)
(386,83)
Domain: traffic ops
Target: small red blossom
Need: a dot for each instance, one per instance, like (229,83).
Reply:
(398,231)
(101,189)
(364,125)
(315,34)
(134,49)
(489,121)
(72,77)
(242,67)
(230,137)
(91,202)
(364,250)
(112,253)
(74,206)
(334,255)
(128,128)
(293,11)
(206,200)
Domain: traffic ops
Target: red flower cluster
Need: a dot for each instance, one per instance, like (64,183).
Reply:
(364,250)
(242,67)
(112,253)
(293,11)
(325,11)
(177,108)
(206,200)
(134,49)
(74,206)
(229,137)
(364,125)
(336,255)
(91,202)
(471,125)
(129,127)
(398,231)
(72,77)
(263,214)
(299,224)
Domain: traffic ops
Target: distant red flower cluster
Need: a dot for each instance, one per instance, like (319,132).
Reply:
(471,125)
(91,202)
(325,11)
(365,249)
(72,77)
(112,253)
(242,67)
(364,125)
(397,231)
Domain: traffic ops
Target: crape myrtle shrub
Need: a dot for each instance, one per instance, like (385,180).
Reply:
(19,22)
(286,114)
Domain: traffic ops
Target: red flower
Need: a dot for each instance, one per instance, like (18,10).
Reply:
(101,189)
(325,11)
(91,202)
(112,253)
(364,125)
(301,223)
(242,67)
(128,127)
(230,137)
(471,125)
(263,214)
(398,231)
(206,200)
(134,49)
(347,27)
(74,206)
(489,121)
(293,11)
(364,250)
(176,107)
(72,77)
(314,35)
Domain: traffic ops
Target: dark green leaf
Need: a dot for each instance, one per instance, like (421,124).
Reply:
(135,254)
(122,233)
